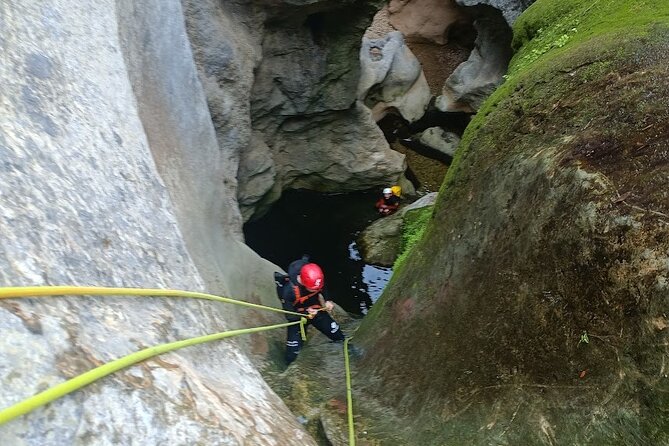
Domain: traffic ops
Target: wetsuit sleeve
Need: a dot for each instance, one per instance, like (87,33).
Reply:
(288,300)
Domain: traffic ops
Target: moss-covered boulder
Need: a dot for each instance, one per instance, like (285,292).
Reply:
(534,309)
(387,238)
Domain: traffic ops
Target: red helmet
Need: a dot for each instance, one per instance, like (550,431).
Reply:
(311,276)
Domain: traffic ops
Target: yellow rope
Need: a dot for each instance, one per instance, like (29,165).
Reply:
(95,374)
(349,397)
(38,291)
(84,379)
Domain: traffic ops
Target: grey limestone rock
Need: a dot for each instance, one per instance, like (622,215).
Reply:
(380,242)
(392,78)
(95,191)
(257,175)
(289,68)
(476,78)
(438,139)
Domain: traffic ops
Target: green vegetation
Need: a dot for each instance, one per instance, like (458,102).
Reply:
(585,339)
(545,31)
(414,225)
(527,245)
(547,26)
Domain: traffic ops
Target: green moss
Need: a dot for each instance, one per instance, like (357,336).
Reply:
(413,227)
(525,250)
(550,26)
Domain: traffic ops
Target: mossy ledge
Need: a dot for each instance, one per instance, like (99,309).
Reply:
(552,224)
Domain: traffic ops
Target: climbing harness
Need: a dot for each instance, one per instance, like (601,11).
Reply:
(97,373)
(299,299)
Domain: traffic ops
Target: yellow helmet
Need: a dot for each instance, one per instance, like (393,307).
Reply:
(396,190)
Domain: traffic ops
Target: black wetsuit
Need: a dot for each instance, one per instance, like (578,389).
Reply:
(393,200)
(301,299)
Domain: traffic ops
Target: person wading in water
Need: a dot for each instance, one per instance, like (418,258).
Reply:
(389,203)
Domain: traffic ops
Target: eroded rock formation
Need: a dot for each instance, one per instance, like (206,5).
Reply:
(430,25)
(475,79)
(425,20)
(291,69)
(392,78)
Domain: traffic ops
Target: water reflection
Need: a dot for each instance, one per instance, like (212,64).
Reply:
(373,278)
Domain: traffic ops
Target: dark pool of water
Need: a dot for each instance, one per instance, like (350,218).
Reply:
(325,227)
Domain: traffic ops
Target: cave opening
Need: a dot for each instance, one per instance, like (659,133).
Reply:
(324,226)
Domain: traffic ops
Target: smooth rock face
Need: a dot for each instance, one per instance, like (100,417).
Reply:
(392,78)
(226,48)
(257,176)
(425,200)
(380,242)
(82,202)
(475,79)
(198,171)
(438,139)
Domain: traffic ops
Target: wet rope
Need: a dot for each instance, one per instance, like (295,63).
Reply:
(97,373)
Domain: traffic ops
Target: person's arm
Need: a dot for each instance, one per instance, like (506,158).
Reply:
(327,304)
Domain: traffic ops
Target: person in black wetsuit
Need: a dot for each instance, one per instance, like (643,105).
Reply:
(303,292)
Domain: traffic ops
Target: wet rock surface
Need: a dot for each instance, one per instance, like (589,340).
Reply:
(436,138)
(381,242)
(511,9)
(534,309)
